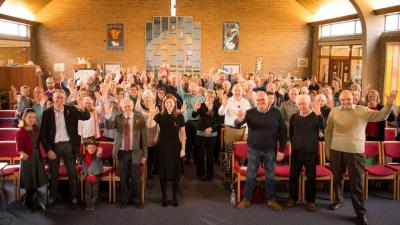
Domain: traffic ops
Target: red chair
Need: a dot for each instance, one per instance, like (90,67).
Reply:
(8,113)
(8,134)
(9,153)
(392,149)
(7,122)
(63,173)
(377,171)
(282,171)
(106,175)
(390,134)
(239,173)
(322,173)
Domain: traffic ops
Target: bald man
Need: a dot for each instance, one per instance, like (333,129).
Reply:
(344,143)
(266,129)
(130,148)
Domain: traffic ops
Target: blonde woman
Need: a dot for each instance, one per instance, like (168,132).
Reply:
(32,174)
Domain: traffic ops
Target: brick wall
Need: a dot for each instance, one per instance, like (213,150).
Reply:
(21,55)
(275,30)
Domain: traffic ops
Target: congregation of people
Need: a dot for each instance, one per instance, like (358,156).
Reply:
(173,119)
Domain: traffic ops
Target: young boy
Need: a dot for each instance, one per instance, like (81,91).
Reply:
(92,167)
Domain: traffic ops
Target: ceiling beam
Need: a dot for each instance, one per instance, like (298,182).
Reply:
(19,20)
(334,20)
(387,10)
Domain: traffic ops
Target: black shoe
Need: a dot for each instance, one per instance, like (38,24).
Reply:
(150,176)
(122,205)
(164,202)
(175,202)
(335,205)
(209,178)
(362,220)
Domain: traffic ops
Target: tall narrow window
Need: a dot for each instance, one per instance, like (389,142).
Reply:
(173,7)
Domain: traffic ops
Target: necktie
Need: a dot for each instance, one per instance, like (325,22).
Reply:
(127,135)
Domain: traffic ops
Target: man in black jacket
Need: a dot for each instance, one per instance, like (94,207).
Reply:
(59,138)
(266,128)
(305,129)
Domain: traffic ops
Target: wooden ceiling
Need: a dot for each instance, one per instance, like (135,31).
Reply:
(312,5)
(33,5)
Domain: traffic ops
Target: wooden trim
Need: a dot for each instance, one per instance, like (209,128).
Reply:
(387,10)
(334,20)
(19,20)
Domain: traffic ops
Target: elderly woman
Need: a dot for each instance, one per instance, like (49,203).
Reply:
(375,131)
(325,110)
(152,132)
(207,133)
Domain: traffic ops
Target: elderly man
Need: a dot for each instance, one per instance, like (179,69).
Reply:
(288,108)
(305,128)
(344,141)
(229,109)
(60,139)
(130,148)
(266,129)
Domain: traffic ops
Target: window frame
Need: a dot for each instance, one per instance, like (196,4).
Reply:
(330,25)
(398,22)
(19,29)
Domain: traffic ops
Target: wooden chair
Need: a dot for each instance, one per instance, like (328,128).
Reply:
(116,178)
(239,173)
(390,134)
(107,173)
(8,134)
(8,152)
(377,171)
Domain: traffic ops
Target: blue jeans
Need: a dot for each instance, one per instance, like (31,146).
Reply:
(254,158)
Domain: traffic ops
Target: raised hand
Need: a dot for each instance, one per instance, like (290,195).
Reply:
(391,98)
(197,105)
(80,104)
(13,88)
(107,108)
(152,108)
(62,76)
(241,114)
(224,100)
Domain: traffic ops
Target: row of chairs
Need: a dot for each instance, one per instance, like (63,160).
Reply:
(381,170)
(7,118)
(110,173)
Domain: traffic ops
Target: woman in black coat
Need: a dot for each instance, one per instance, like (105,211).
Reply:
(206,134)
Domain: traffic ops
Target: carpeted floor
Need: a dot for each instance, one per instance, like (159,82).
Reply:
(205,203)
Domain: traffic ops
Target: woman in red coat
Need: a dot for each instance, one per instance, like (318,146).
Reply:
(32,175)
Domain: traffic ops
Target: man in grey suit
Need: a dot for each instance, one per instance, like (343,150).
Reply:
(130,148)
